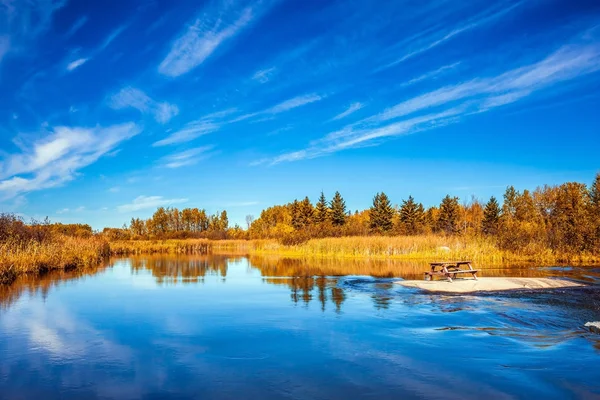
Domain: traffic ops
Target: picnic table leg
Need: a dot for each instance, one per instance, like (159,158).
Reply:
(446,273)
(473,273)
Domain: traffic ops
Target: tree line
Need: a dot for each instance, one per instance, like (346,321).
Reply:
(563,218)
(172,223)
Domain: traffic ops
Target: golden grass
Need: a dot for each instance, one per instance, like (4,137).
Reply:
(169,246)
(408,248)
(62,252)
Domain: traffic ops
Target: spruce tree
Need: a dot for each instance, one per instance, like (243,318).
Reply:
(295,212)
(305,213)
(381,213)
(491,217)
(411,215)
(321,210)
(338,210)
(449,215)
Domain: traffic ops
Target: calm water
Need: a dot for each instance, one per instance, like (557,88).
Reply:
(226,327)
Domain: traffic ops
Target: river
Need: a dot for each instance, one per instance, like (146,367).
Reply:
(231,327)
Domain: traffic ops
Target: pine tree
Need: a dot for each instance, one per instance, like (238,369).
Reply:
(449,215)
(295,212)
(305,213)
(491,217)
(411,216)
(321,210)
(338,210)
(381,213)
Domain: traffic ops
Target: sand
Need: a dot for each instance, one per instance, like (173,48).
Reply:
(469,285)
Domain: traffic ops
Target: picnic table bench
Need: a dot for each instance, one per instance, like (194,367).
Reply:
(449,269)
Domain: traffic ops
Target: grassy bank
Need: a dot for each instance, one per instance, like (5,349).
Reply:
(60,252)
(409,248)
(65,252)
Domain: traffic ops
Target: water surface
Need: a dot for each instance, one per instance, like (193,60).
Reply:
(237,327)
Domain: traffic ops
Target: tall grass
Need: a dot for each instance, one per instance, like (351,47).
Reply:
(59,252)
(409,248)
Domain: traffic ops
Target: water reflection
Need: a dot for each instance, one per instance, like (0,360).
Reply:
(232,327)
(183,269)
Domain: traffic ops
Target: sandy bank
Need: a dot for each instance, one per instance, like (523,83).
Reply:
(489,284)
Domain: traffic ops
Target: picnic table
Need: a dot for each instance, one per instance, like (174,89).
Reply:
(449,269)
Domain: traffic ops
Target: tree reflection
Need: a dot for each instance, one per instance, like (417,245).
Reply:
(182,269)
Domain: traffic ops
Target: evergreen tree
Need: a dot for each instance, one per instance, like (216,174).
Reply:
(491,217)
(449,215)
(295,212)
(411,216)
(338,210)
(223,221)
(321,210)
(381,213)
(305,213)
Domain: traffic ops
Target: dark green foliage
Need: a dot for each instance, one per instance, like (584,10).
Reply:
(321,210)
(338,210)
(381,213)
(302,213)
(412,215)
(491,217)
(449,215)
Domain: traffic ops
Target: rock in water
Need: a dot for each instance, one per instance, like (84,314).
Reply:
(594,326)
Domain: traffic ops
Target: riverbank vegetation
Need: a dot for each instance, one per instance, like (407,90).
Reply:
(37,247)
(552,224)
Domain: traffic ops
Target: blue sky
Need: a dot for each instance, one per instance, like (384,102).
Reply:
(110,109)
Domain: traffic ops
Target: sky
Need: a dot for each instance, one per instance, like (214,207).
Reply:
(109,109)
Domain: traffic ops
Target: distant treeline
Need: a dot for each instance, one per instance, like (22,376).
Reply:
(564,219)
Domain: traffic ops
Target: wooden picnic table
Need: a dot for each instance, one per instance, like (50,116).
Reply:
(449,269)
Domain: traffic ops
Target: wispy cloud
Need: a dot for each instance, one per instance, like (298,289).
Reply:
(57,157)
(432,74)
(4,45)
(189,132)
(77,26)
(284,106)
(203,37)
(452,103)
(187,157)
(112,36)
(149,202)
(76,64)
(135,98)
(69,210)
(440,38)
(264,75)
(350,110)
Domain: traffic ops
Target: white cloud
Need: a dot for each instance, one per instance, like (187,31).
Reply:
(454,102)
(187,157)
(148,202)
(284,106)
(76,64)
(350,110)
(475,22)
(432,74)
(135,98)
(264,75)
(4,45)
(57,157)
(202,38)
(189,132)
